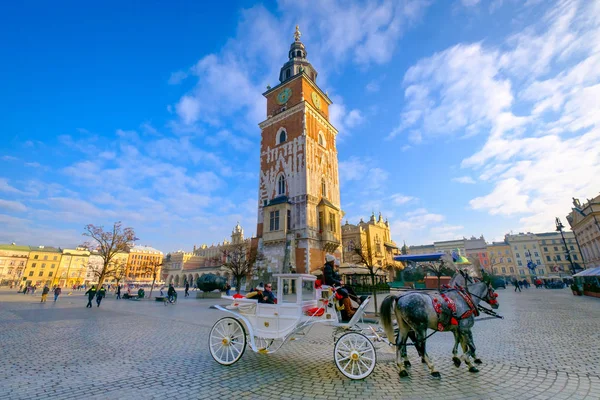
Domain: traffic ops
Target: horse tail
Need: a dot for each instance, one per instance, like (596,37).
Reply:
(386,316)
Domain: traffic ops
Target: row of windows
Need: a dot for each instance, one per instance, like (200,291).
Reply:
(541,271)
(41,273)
(12,263)
(282,137)
(553,241)
(35,257)
(281,187)
(33,265)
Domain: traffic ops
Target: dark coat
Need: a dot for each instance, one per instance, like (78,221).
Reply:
(331,277)
(269,297)
(101,293)
(91,293)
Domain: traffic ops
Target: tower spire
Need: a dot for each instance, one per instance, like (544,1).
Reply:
(297,34)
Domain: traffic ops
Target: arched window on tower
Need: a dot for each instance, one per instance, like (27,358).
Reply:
(287,73)
(298,54)
(282,137)
(281,185)
(323,188)
(321,139)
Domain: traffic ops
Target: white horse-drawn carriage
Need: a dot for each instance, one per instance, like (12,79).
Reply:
(265,328)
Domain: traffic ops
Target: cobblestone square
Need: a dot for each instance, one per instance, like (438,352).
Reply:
(546,347)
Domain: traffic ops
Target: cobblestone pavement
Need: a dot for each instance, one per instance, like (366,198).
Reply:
(546,347)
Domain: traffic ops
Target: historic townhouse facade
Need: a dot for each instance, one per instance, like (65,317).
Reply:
(181,267)
(72,268)
(501,259)
(141,262)
(554,252)
(42,266)
(299,211)
(584,220)
(375,237)
(13,259)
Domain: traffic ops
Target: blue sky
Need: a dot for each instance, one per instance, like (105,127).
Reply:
(456,118)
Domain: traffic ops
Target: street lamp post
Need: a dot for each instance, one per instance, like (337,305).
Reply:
(559,228)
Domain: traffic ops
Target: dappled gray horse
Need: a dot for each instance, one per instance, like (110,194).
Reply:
(450,310)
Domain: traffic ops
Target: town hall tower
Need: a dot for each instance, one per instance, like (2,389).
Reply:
(299,209)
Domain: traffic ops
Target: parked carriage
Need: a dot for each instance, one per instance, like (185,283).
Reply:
(265,328)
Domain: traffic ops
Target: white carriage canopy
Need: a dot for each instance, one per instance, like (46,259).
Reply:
(588,272)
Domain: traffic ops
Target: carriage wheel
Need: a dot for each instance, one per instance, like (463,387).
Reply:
(354,355)
(227,341)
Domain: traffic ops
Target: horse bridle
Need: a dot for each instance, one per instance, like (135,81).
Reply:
(491,295)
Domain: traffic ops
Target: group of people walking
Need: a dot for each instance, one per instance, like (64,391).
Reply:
(57,291)
(98,294)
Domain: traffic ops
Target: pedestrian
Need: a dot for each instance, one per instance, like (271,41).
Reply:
(33,289)
(45,293)
(118,292)
(57,293)
(91,293)
(25,289)
(100,295)
(517,285)
(227,289)
(187,289)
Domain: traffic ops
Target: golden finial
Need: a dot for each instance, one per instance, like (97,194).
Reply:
(297,34)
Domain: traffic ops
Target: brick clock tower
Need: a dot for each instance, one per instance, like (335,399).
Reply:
(299,213)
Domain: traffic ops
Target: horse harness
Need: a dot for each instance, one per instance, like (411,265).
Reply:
(447,315)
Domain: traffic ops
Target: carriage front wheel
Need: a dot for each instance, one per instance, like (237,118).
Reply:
(354,355)
(227,341)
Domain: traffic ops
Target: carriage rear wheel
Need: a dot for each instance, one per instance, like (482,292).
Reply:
(354,355)
(227,341)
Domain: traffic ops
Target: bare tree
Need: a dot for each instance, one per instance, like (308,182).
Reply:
(153,268)
(240,261)
(107,244)
(445,267)
(118,272)
(366,258)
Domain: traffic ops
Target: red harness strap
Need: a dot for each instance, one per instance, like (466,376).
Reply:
(472,309)
(437,306)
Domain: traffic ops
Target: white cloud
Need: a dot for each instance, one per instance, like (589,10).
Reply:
(7,188)
(400,199)
(420,226)
(550,72)
(469,3)
(464,179)
(368,32)
(342,119)
(372,87)
(352,169)
(177,77)
(13,206)
(238,142)
(188,109)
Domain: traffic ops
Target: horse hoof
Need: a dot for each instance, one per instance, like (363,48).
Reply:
(436,374)
(403,373)
(407,363)
(456,361)
(473,369)
(478,361)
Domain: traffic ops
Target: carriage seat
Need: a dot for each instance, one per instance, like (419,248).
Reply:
(243,305)
(357,315)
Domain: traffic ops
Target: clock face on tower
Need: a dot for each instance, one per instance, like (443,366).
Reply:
(284,95)
(316,100)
